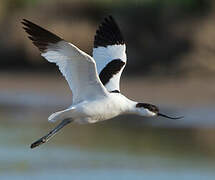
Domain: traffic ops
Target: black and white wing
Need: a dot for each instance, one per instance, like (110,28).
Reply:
(78,67)
(109,54)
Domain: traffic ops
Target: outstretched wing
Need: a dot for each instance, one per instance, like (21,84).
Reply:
(109,54)
(78,67)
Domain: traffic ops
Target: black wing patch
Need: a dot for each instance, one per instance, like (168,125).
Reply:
(115,91)
(108,33)
(110,69)
(39,36)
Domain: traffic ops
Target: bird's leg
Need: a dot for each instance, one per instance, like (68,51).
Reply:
(51,133)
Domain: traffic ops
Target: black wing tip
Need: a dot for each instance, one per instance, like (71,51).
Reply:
(25,21)
(109,18)
(40,37)
(108,33)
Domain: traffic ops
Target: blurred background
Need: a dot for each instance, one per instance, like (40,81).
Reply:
(171,63)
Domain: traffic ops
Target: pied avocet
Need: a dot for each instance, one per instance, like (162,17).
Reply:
(94,81)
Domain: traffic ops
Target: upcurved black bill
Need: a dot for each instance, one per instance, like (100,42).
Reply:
(163,115)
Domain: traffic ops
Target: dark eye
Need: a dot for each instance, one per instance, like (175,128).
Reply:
(150,107)
(153,108)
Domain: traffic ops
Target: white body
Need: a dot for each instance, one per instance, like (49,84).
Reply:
(95,110)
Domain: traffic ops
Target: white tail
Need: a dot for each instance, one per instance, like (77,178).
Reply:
(60,115)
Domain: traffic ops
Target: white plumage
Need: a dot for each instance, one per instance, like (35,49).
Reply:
(78,68)
(104,55)
(94,81)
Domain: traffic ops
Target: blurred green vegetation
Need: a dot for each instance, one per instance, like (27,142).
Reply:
(165,3)
(164,37)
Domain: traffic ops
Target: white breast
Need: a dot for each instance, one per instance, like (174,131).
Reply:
(102,109)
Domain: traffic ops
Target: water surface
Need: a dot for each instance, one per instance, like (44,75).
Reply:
(127,147)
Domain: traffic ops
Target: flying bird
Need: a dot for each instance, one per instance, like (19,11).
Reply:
(94,81)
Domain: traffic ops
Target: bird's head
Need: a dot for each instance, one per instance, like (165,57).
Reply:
(149,110)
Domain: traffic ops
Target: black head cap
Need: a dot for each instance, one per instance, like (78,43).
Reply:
(155,109)
(150,107)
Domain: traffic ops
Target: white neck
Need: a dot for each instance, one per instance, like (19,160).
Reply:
(128,106)
(131,107)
